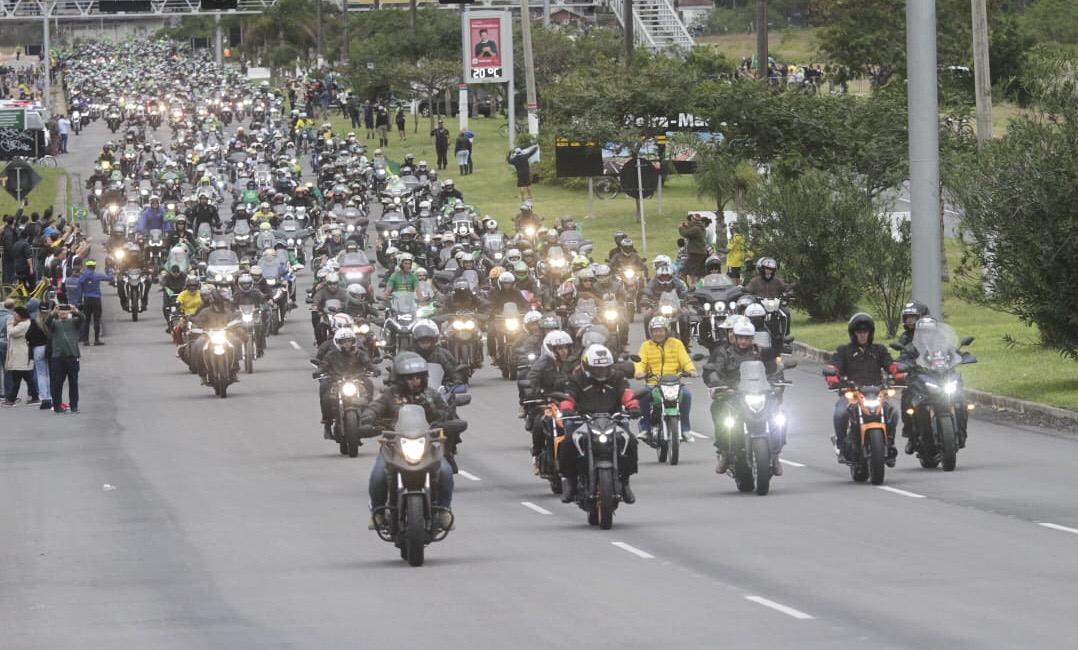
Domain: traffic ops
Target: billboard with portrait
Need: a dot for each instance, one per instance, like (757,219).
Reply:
(488,46)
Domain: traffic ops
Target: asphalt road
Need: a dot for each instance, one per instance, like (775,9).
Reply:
(162,517)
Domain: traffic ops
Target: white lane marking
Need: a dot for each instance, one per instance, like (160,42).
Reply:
(531,506)
(469,476)
(295,345)
(1065,529)
(779,607)
(790,463)
(635,551)
(699,435)
(912,495)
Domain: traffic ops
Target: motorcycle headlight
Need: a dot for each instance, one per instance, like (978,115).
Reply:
(271,282)
(950,387)
(603,438)
(755,401)
(531,356)
(348,389)
(670,393)
(247,318)
(354,275)
(458,324)
(666,310)
(219,278)
(529,231)
(872,404)
(512,324)
(707,306)
(413,449)
(396,233)
(352,228)
(610,314)
(291,242)
(363,329)
(780,419)
(119,253)
(729,422)
(97,191)
(114,208)
(558,263)
(469,325)
(217,337)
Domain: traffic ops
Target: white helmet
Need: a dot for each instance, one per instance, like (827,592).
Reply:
(333,278)
(597,362)
(532,316)
(755,310)
(662,259)
(507,277)
(557,338)
(743,327)
(342,335)
(513,255)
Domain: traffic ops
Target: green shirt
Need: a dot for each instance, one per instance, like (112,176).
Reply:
(64,334)
(398,282)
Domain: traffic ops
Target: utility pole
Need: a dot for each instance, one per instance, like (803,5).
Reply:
(346,41)
(318,57)
(546,13)
(218,47)
(761,39)
(529,69)
(412,16)
(46,87)
(627,28)
(982,78)
(926,232)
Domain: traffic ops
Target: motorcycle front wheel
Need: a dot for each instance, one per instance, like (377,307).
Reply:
(761,455)
(415,534)
(249,356)
(877,459)
(948,444)
(605,501)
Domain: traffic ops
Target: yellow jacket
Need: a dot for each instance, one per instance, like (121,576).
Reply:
(668,359)
(737,249)
(190,302)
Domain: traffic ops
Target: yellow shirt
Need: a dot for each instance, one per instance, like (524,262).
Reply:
(738,248)
(668,359)
(189,301)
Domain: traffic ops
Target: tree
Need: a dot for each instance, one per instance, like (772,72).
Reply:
(816,224)
(1020,220)
(426,77)
(886,271)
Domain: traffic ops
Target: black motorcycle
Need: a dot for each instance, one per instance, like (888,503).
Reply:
(598,439)
(134,290)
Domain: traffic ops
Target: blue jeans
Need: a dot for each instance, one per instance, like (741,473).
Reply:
(41,370)
(3,370)
(376,485)
(686,407)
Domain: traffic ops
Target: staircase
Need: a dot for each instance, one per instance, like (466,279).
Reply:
(656,25)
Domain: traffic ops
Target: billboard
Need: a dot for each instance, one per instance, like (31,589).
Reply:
(488,46)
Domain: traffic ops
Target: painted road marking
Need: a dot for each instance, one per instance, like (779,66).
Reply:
(635,551)
(531,506)
(699,435)
(1065,529)
(912,495)
(790,463)
(469,476)
(295,345)
(779,607)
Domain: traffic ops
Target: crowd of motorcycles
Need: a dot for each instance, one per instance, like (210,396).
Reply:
(228,146)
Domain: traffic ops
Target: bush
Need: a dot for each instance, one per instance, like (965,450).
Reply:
(816,225)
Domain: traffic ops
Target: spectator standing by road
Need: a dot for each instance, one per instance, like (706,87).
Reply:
(64,325)
(368,118)
(440,134)
(520,160)
(90,288)
(63,125)
(401,120)
(18,362)
(7,310)
(462,149)
(381,125)
(694,230)
(38,341)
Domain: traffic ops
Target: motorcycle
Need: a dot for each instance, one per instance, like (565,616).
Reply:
(76,122)
(755,424)
(155,249)
(352,394)
(413,455)
(218,357)
(463,334)
(715,298)
(867,439)
(398,322)
(937,398)
(254,341)
(553,436)
(113,121)
(666,419)
(133,290)
(507,330)
(596,439)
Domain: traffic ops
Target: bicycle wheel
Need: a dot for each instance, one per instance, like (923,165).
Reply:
(47,161)
(607,187)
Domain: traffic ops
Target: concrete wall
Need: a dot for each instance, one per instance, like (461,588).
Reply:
(18,32)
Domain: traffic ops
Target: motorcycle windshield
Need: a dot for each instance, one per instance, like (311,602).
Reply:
(510,310)
(435,373)
(428,225)
(669,298)
(587,306)
(223,258)
(358,258)
(204,231)
(242,229)
(937,347)
(472,277)
(424,292)
(494,243)
(716,281)
(271,269)
(403,303)
(753,378)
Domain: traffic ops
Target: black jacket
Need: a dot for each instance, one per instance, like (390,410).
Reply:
(761,288)
(337,363)
(588,396)
(447,361)
(383,411)
(863,366)
(546,376)
(723,368)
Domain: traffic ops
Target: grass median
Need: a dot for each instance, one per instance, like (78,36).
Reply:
(43,195)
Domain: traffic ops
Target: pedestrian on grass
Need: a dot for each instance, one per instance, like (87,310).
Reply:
(401,120)
(520,159)
(440,134)
(462,149)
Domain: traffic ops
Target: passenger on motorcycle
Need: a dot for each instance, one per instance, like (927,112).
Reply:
(912,312)
(662,354)
(864,363)
(597,386)
(409,387)
(548,374)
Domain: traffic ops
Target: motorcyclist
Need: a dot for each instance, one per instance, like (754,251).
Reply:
(660,355)
(357,305)
(767,284)
(863,363)
(190,299)
(664,281)
(526,217)
(912,312)
(409,387)
(180,234)
(462,298)
(404,278)
(345,360)
(203,212)
(723,368)
(625,256)
(597,386)
(712,266)
(425,335)
(152,217)
(263,213)
(525,281)
(619,235)
(450,191)
(214,315)
(548,374)
(331,290)
(505,293)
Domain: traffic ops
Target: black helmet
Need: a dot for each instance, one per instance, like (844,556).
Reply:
(861,322)
(915,308)
(461,287)
(713,264)
(407,364)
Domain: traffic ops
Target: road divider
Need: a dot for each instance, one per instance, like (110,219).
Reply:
(779,607)
(635,551)
(534,508)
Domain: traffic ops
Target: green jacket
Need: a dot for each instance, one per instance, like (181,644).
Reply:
(64,334)
(402,282)
(695,238)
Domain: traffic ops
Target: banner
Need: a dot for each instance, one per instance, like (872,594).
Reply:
(21,142)
(488,46)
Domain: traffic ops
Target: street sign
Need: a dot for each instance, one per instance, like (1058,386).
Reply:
(13,118)
(649,178)
(488,46)
(20,179)
(577,159)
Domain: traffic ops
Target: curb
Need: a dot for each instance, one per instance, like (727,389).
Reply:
(1025,411)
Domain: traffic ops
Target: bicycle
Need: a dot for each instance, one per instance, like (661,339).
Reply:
(18,292)
(44,161)
(522,127)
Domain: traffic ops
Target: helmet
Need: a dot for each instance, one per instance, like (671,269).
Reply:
(421,273)
(743,327)
(405,257)
(512,255)
(495,273)
(626,243)
(424,329)
(664,270)
(408,233)
(580,262)
(556,339)
(743,303)
(549,322)
(713,264)
(658,322)
(506,277)
(192,283)
(597,362)
(356,291)
(265,227)
(602,271)
(340,320)
(333,278)
(660,260)
(585,274)
(409,364)
(567,290)
(264,205)
(461,286)
(594,335)
(755,310)
(246,281)
(408,158)
(618,236)
(532,317)
(915,308)
(767,263)
(861,322)
(256,272)
(448,182)
(521,270)
(342,336)
(490,224)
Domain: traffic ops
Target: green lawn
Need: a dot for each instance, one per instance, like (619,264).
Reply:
(43,195)
(492,189)
(791,45)
(1026,371)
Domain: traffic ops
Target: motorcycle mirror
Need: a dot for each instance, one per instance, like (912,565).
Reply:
(966,341)
(789,363)
(463,399)
(699,357)
(897,347)
(968,358)
(313,362)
